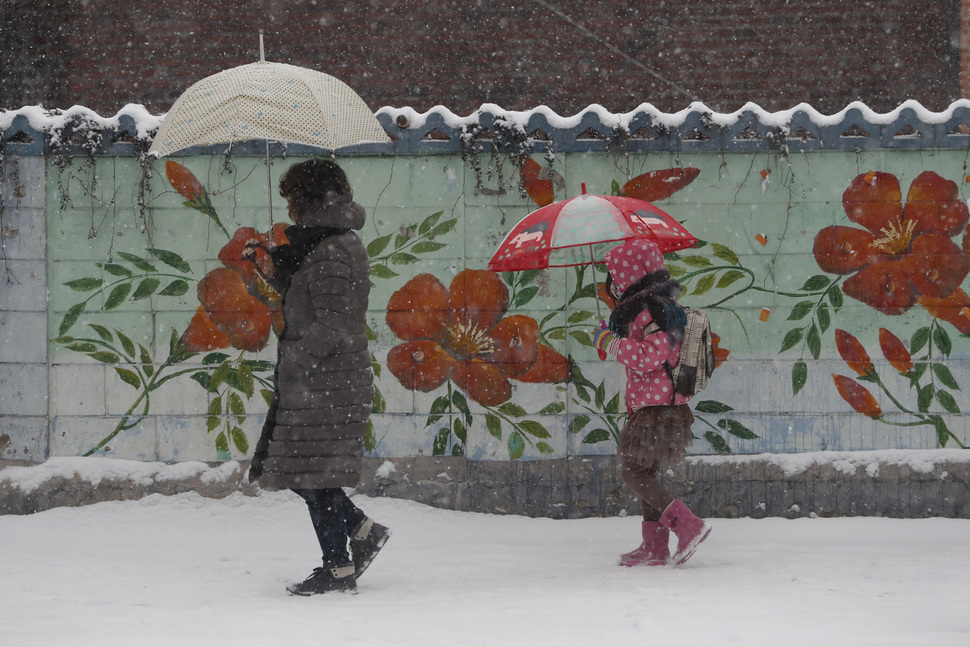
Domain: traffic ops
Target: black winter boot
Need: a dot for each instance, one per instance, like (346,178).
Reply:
(365,542)
(325,579)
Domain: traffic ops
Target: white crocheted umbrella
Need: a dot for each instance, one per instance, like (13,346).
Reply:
(271,101)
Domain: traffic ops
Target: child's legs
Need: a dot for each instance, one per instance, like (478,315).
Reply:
(642,479)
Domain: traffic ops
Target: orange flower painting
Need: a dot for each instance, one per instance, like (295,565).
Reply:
(463,333)
(894,350)
(858,396)
(658,185)
(954,309)
(904,252)
(853,352)
(238,306)
(190,188)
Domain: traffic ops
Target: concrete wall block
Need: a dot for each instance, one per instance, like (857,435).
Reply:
(77,389)
(24,285)
(594,484)
(23,438)
(23,184)
(23,389)
(887,498)
(24,235)
(439,495)
(926,498)
(756,499)
(859,500)
(956,498)
(800,496)
(185,438)
(414,470)
(76,435)
(23,337)
(490,498)
(954,471)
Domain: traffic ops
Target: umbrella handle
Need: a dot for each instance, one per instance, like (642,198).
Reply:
(269,176)
(596,296)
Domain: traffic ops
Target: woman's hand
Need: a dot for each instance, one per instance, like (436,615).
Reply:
(262,262)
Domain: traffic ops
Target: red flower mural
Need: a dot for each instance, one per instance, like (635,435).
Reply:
(539,188)
(904,252)
(248,250)
(462,333)
(894,350)
(232,310)
(857,396)
(238,305)
(720,354)
(184,181)
(657,185)
(189,187)
(853,352)
(954,309)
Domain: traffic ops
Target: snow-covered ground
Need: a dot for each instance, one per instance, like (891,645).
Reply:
(185,570)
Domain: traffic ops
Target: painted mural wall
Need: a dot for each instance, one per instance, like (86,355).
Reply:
(835,281)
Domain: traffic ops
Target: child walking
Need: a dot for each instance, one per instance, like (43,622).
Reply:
(645,332)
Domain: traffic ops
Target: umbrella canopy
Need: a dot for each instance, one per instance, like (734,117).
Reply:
(582,230)
(271,101)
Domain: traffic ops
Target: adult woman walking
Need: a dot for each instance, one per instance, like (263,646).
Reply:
(312,440)
(645,333)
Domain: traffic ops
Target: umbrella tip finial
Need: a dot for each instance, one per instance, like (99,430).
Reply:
(584,188)
(262,56)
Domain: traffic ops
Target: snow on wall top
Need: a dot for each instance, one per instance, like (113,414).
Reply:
(34,129)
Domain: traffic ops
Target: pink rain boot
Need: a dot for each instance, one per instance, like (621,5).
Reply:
(690,530)
(654,550)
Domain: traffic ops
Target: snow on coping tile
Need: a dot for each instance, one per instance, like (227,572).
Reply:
(412,128)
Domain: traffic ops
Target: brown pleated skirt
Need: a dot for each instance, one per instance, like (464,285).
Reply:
(656,437)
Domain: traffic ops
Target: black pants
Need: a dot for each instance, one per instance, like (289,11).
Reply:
(334,516)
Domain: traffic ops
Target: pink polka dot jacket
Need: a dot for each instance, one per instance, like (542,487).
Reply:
(647,382)
(643,356)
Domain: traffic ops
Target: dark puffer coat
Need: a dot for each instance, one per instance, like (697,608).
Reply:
(314,432)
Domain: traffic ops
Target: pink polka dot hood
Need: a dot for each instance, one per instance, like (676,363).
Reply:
(643,356)
(632,261)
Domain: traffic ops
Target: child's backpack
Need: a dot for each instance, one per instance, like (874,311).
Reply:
(696,358)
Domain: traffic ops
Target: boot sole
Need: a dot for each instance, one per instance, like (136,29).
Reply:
(293,590)
(686,554)
(634,564)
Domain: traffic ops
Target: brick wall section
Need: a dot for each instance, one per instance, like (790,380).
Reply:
(965,48)
(462,53)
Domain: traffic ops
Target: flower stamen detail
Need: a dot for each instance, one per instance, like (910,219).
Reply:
(897,237)
(468,340)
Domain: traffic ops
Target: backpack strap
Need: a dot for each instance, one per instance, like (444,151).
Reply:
(651,328)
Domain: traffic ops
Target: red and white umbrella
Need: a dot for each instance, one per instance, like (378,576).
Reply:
(581,230)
